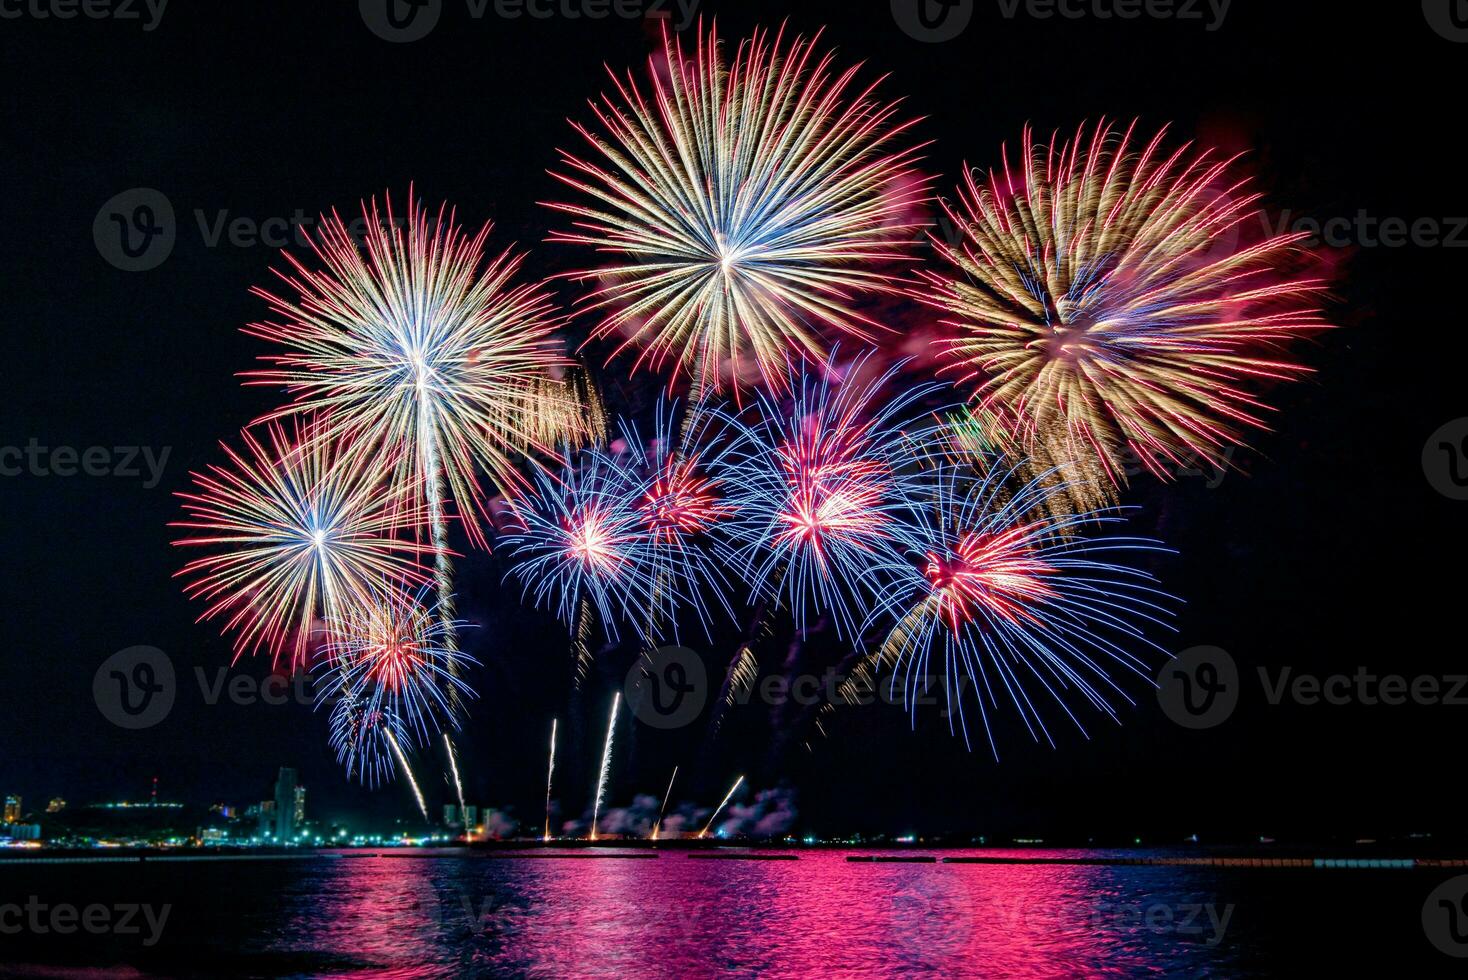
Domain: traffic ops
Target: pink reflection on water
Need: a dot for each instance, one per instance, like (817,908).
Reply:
(677,916)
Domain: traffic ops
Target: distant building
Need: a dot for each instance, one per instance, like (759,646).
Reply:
(12,809)
(451,815)
(264,814)
(300,808)
(56,805)
(471,817)
(285,804)
(22,831)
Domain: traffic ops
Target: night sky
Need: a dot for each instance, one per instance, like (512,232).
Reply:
(1330,552)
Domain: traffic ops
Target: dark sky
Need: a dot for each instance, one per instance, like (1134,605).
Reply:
(1332,553)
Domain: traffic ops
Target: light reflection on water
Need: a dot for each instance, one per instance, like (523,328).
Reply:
(409,914)
(677,916)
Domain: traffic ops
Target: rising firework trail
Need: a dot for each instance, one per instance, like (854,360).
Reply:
(705,832)
(606,764)
(397,750)
(550,774)
(664,808)
(448,744)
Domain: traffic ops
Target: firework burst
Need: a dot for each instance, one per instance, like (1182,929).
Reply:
(583,541)
(295,531)
(752,203)
(1006,597)
(397,657)
(415,342)
(1105,303)
(820,489)
(363,739)
(679,504)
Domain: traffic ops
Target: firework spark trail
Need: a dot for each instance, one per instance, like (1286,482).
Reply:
(1104,302)
(581,642)
(664,808)
(550,774)
(754,202)
(606,764)
(458,785)
(407,770)
(727,796)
